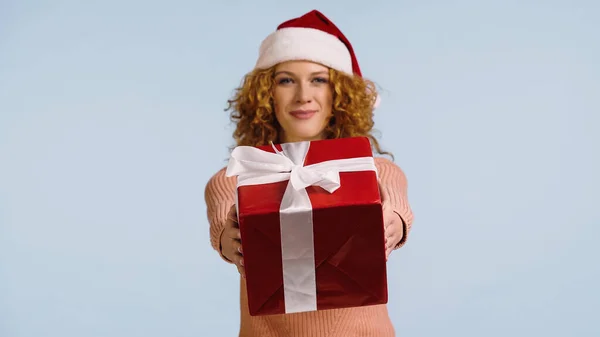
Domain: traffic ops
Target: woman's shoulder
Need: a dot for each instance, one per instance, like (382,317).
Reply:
(220,182)
(385,163)
(386,167)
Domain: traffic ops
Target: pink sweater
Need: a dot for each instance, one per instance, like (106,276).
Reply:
(363,321)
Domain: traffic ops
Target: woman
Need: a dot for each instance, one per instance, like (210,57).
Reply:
(306,85)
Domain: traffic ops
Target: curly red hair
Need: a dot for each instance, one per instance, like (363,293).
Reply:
(252,109)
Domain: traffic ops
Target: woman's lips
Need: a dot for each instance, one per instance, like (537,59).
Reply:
(303,114)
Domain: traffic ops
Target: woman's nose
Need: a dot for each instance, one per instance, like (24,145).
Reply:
(303,93)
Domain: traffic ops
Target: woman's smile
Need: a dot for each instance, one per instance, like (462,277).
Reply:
(303,114)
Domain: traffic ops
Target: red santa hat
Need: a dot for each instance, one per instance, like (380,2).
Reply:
(311,37)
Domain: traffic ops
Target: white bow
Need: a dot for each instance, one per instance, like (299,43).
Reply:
(255,167)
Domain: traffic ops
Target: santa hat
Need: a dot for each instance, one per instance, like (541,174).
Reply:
(311,37)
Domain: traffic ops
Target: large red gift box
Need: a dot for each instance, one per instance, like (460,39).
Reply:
(310,241)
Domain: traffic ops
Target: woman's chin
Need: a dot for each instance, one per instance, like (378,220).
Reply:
(304,136)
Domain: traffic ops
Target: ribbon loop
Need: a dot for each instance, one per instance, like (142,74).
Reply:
(248,160)
(302,177)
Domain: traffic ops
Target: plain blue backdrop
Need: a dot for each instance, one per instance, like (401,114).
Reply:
(112,121)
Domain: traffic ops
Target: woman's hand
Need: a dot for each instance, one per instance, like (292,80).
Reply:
(231,241)
(394,229)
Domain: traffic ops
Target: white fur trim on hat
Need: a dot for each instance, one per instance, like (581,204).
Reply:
(304,44)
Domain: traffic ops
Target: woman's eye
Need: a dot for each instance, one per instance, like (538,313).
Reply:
(284,80)
(320,80)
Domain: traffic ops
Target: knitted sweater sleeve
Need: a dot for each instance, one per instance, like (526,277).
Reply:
(219,195)
(394,187)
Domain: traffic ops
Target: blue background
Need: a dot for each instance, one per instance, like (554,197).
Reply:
(112,121)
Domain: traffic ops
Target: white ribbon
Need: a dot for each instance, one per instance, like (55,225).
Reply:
(255,167)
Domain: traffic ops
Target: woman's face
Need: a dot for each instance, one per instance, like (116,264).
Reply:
(303,100)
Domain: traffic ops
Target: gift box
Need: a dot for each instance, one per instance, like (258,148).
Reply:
(311,225)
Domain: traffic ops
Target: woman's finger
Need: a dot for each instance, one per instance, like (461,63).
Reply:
(391,230)
(232,214)
(387,253)
(237,245)
(234,233)
(240,266)
(233,210)
(232,221)
(392,240)
(236,257)
(389,239)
